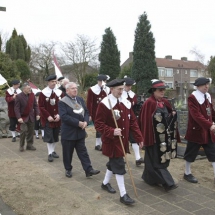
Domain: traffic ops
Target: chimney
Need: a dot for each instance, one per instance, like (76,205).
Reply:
(184,58)
(168,57)
(131,55)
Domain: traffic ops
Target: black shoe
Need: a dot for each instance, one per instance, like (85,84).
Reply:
(190,178)
(127,200)
(98,148)
(168,188)
(108,188)
(55,155)
(139,162)
(68,173)
(50,158)
(30,148)
(14,139)
(92,172)
(37,137)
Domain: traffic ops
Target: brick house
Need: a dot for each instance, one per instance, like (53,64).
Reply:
(175,72)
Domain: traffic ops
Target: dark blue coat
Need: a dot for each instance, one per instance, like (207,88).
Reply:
(70,120)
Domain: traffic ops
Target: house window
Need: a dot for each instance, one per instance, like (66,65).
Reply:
(193,73)
(185,72)
(169,72)
(161,72)
(169,84)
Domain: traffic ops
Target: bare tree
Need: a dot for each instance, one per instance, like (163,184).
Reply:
(80,54)
(198,55)
(4,36)
(42,58)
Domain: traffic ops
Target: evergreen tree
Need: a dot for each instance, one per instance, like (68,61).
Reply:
(17,47)
(144,65)
(23,69)
(109,55)
(126,71)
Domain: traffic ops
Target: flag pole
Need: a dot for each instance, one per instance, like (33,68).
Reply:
(123,149)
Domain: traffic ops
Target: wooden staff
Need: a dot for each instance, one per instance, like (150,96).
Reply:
(120,139)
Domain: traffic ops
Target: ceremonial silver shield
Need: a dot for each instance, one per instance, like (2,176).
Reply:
(117,114)
(168,155)
(163,158)
(163,147)
(52,101)
(158,117)
(160,127)
(162,137)
(174,142)
(173,154)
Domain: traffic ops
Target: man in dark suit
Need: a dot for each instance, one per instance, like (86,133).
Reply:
(26,109)
(74,118)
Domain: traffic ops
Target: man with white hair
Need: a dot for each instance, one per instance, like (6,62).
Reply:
(63,82)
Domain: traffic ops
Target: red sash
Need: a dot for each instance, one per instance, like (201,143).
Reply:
(27,110)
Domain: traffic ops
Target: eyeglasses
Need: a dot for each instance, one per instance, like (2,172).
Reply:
(161,89)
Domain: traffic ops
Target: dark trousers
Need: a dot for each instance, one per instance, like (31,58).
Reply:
(27,131)
(13,123)
(193,149)
(68,147)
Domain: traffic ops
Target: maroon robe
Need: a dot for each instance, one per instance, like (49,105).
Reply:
(146,119)
(199,123)
(93,101)
(104,123)
(10,102)
(46,109)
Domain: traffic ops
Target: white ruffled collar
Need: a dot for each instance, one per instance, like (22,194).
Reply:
(130,93)
(200,97)
(113,101)
(48,91)
(11,90)
(97,89)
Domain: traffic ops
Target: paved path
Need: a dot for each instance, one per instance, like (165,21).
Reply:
(186,199)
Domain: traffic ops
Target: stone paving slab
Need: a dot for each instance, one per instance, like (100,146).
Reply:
(152,200)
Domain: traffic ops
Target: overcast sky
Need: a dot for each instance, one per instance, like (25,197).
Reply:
(177,25)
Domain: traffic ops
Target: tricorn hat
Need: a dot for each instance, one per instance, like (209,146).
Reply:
(51,77)
(115,83)
(157,84)
(201,81)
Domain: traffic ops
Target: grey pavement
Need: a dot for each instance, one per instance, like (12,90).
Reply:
(152,200)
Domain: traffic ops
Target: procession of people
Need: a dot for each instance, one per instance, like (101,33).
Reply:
(59,111)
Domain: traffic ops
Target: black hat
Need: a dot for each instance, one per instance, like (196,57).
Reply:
(61,78)
(129,81)
(15,82)
(102,77)
(51,77)
(157,84)
(201,81)
(116,82)
(37,94)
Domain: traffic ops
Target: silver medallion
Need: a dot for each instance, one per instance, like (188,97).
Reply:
(116,114)
(163,147)
(158,117)
(52,102)
(168,155)
(160,127)
(208,111)
(162,137)
(169,141)
(163,158)
(174,142)
(173,154)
